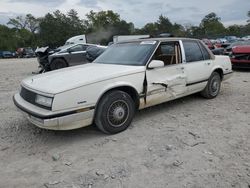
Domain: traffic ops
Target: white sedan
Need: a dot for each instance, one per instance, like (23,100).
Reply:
(128,76)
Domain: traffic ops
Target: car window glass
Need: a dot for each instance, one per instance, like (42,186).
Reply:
(205,53)
(84,47)
(134,53)
(192,51)
(166,52)
(76,48)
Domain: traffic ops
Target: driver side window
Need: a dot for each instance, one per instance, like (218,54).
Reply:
(168,52)
(76,48)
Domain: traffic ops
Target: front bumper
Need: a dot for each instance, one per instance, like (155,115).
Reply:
(54,121)
(240,63)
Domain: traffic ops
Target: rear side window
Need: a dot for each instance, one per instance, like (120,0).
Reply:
(192,51)
(205,53)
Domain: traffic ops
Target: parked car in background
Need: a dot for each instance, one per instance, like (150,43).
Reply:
(69,55)
(92,52)
(246,37)
(6,54)
(43,53)
(228,50)
(209,44)
(26,52)
(231,39)
(218,51)
(127,77)
(221,40)
(240,57)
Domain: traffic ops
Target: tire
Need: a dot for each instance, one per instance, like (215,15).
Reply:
(115,112)
(58,64)
(213,86)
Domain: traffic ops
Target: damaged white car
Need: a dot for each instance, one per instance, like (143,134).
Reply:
(128,76)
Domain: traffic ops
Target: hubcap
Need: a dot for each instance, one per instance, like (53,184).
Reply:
(215,86)
(118,113)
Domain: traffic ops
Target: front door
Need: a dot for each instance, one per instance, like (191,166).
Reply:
(77,55)
(168,82)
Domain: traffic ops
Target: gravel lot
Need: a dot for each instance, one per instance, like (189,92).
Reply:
(190,142)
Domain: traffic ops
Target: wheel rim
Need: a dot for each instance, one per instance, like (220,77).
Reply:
(118,113)
(215,85)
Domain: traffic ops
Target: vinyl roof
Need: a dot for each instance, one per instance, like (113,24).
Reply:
(157,39)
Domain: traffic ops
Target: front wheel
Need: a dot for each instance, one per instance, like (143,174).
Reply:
(213,86)
(115,112)
(58,64)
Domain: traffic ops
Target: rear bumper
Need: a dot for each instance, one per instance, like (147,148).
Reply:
(48,120)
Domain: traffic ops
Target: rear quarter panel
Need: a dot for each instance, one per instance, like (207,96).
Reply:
(224,63)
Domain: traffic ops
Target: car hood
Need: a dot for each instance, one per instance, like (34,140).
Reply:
(69,78)
(241,49)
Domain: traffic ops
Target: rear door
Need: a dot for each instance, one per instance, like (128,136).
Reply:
(197,64)
(168,82)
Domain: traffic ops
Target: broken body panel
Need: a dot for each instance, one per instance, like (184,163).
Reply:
(240,57)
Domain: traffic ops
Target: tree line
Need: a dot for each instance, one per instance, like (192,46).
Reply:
(55,28)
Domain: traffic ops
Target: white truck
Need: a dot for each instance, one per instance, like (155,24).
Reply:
(122,38)
(79,39)
(128,76)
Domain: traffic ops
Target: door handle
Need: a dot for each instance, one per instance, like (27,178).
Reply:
(208,63)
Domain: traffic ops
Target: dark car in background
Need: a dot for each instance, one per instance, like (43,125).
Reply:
(69,55)
(6,54)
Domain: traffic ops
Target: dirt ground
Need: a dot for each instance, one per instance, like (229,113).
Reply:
(190,142)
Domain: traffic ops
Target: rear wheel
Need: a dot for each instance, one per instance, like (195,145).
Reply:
(115,112)
(213,86)
(58,64)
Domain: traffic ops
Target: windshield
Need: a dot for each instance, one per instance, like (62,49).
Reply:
(135,53)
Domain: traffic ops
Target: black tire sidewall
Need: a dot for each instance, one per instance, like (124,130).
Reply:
(215,75)
(102,111)
(54,63)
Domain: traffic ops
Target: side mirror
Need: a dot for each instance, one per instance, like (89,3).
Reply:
(156,64)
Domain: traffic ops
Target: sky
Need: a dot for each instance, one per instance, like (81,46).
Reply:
(139,12)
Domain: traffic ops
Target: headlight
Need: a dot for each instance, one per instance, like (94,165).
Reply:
(44,101)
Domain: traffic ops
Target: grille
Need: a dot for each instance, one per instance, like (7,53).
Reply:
(30,97)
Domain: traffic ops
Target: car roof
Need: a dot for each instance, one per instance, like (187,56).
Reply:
(157,39)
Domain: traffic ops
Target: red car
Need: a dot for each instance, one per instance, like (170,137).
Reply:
(208,43)
(240,57)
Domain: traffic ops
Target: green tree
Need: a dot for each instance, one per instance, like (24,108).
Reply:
(102,26)
(162,25)
(19,22)
(212,26)
(248,14)
(57,27)
(237,30)
(28,22)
